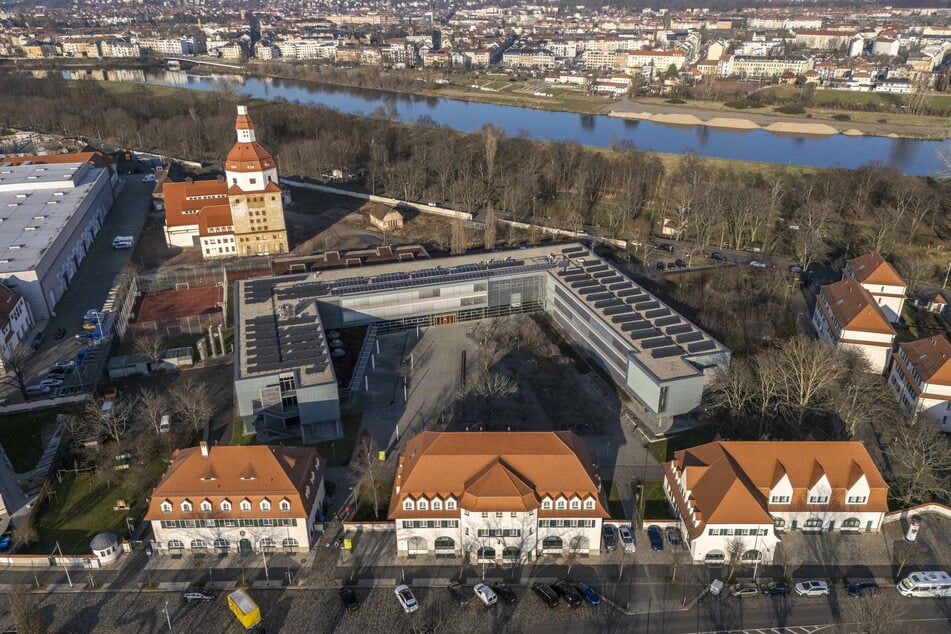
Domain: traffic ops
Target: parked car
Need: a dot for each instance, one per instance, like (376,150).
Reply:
(349,599)
(485,594)
(673,536)
(5,541)
(660,266)
(743,590)
(812,589)
(148,178)
(680,264)
(506,593)
(405,596)
(198,595)
(38,340)
(51,383)
(775,588)
(568,592)
(653,534)
(65,365)
(588,593)
(862,589)
(546,594)
(610,540)
(94,314)
(719,257)
(627,538)
(60,333)
(756,264)
(459,593)
(38,390)
(663,246)
(82,337)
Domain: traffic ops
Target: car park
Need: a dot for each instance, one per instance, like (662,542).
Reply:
(756,264)
(546,594)
(588,593)
(743,590)
(627,538)
(660,266)
(485,594)
(862,589)
(812,589)
(349,599)
(673,537)
(653,534)
(506,593)
(610,539)
(198,595)
(459,593)
(775,588)
(568,592)
(405,596)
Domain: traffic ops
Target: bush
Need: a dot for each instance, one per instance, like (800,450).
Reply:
(883,120)
(740,104)
(676,101)
(790,110)
(841,117)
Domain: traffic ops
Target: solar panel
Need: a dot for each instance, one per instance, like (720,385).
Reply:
(630,292)
(690,337)
(617,309)
(573,250)
(625,318)
(663,353)
(657,312)
(643,305)
(657,342)
(679,329)
(606,303)
(702,346)
(638,335)
(667,321)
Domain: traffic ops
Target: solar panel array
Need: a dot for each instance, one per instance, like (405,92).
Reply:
(640,316)
(275,343)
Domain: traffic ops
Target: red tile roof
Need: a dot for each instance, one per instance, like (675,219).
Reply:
(855,308)
(872,268)
(96,159)
(248,157)
(931,358)
(177,201)
(8,301)
(214,216)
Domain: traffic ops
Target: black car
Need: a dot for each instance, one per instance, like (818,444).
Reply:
(862,589)
(663,246)
(546,594)
(719,257)
(38,341)
(459,593)
(60,333)
(775,588)
(568,592)
(505,593)
(610,537)
(349,599)
(660,266)
(680,264)
(673,536)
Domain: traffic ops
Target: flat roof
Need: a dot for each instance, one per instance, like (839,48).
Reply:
(278,323)
(37,202)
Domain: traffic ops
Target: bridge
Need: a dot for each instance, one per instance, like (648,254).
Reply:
(195,61)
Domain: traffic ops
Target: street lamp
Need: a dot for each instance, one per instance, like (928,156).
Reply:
(65,567)
(168,618)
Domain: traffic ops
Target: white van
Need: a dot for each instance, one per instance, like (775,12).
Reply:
(165,425)
(932,583)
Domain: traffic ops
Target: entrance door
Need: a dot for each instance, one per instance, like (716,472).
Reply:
(244,546)
(445,320)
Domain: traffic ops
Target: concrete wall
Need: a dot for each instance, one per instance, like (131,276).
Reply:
(392,202)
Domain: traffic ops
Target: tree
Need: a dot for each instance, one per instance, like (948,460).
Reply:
(192,402)
(149,346)
(368,471)
(490,228)
(151,406)
(878,614)
(814,220)
(15,366)
(114,421)
(921,460)
(25,533)
(734,553)
(905,553)
(27,618)
(807,370)
(458,242)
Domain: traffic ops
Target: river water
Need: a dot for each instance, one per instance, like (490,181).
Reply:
(911,156)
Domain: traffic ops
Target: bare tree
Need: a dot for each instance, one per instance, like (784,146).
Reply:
(808,370)
(921,459)
(77,424)
(906,552)
(490,228)
(192,402)
(27,618)
(112,421)
(458,241)
(368,471)
(149,346)
(15,367)
(25,533)
(151,406)
(878,614)
(734,553)
(814,220)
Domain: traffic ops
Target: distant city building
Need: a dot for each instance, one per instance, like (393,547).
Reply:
(921,379)
(501,497)
(742,495)
(238,499)
(240,214)
(51,209)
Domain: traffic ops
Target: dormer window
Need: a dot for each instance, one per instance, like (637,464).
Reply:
(206,506)
(285,505)
(818,499)
(560,504)
(437,505)
(225,506)
(422,505)
(186,507)
(856,499)
(780,499)
(575,504)
(246,505)
(407,505)
(450,504)
(307,492)
(546,504)
(265,506)
(166,507)
(589,504)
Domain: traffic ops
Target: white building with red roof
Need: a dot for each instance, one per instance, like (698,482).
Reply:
(847,315)
(921,379)
(16,321)
(238,499)
(881,280)
(740,496)
(501,496)
(239,214)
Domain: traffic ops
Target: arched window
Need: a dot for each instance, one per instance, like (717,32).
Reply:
(290,542)
(199,543)
(714,556)
(752,555)
(226,506)
(575,504)
(166,507)
(552,543)
(546,504)
(851,522)
(206,506)
(445,543)
(246,505)
(813,522)
(186,507)
(267,542)
(511,553)
(589,504)
(221,543)
(265,506)
(485,553)
(285,505)
(450,504)
(175,544)
(407,505)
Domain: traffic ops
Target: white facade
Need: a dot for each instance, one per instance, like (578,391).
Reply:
(218,246)
(916,396)
(15,325)
(875,347)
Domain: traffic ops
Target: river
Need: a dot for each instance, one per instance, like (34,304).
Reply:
(911,156)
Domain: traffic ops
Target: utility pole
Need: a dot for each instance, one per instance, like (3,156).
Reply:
(65,567)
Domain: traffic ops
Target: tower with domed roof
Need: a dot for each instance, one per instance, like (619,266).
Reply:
(257,211)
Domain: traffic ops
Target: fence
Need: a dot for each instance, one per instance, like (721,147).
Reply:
(904,514)
(49,561)
(393,202)
(190,325)
(201,274)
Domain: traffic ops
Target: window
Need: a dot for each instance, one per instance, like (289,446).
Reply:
(485,515)
(175,544)
(246,505)
(422,505)
(166,507)
(206,506)
(437,505)
(857,499)
(818,499)
(513,514)
(186,507)
(575,504)
(450,505)
(407,505)
(560,505)
(267,542)
(851,522)
(221,543)
(265,506)
(589,504)
(199,543)
(498,515)
(779,499)
(546,505)
(307,492)
(285,505)
(552,543)
(290,542)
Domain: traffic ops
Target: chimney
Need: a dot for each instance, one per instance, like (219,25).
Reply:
(204,449)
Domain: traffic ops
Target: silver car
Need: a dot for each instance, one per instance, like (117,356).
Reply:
(627,538)
(406,598)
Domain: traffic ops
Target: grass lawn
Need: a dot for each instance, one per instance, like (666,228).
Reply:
(919,324)
(615,508)
(21,438)
(663,450)
(338,452)
(655,503)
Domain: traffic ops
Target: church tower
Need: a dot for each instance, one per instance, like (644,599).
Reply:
(257,211)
